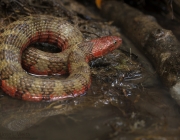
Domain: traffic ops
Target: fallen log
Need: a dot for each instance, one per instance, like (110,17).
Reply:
(158,44)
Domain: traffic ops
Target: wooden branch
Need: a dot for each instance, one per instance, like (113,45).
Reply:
(159,45)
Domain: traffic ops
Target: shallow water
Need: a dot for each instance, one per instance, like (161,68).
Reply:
(108,114)
(126,101)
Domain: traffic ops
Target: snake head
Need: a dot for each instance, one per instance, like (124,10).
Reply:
(105,45)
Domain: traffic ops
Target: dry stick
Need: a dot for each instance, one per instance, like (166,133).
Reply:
(158,44)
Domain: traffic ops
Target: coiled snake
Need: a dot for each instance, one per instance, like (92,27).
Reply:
(16,82)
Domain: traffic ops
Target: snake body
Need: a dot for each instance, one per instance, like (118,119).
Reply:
(16,82)
(44,63)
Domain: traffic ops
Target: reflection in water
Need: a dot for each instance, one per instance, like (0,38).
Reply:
(149,115)
(18,115)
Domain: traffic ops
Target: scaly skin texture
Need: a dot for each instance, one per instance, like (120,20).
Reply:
(40,28)
(43,63)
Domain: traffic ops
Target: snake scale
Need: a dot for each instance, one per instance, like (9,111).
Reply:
(17,36)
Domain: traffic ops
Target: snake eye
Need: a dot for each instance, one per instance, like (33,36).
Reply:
(115,42)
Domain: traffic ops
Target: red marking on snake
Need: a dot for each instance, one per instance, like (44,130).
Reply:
(8,89)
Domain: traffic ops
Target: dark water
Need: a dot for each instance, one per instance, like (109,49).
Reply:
(126,101)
